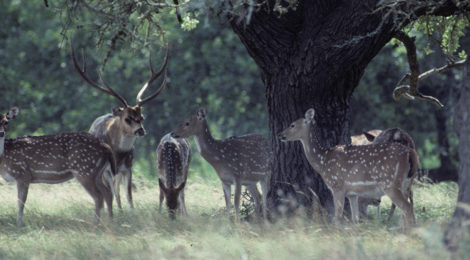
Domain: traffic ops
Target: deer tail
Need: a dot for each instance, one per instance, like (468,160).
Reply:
(414,163)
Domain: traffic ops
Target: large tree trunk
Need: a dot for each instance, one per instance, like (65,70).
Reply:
(458,226)
(311,57)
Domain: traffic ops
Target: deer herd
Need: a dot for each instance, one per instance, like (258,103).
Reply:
(377,163)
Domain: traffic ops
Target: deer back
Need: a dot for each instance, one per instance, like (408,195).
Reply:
(55,158)
(173,158)
(245,156)
(367,164)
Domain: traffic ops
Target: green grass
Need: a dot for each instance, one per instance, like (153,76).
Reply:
(59,224)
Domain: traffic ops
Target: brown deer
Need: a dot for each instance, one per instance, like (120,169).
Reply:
(352,171)
(120,128)
(393,135)
(173,158)
(239,160)
(55,159)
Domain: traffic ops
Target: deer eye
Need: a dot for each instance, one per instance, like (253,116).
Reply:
(128,121)
(292,126)
(186,124)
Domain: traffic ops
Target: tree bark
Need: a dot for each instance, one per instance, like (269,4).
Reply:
(459,226)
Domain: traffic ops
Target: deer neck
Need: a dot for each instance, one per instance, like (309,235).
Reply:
(315,153)
(206,144)
(119,140)
(2,146)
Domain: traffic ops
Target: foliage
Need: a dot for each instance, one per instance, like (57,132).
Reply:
(58,221)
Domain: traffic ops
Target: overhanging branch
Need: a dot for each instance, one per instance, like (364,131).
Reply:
(411,91)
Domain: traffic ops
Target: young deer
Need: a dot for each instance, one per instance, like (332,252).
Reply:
(173,158)
(120,129)
(352,171)
(55,159)
(241,160)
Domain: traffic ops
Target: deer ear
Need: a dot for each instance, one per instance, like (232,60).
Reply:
(201,114)
(309,114)
(181,186)
(162,186)
(13,112)
(117,111)
(369,137)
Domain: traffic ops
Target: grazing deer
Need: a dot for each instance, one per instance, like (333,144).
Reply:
(173,158)
(239,160)
(120,129)
(55,159)
(352,171)
(394,135)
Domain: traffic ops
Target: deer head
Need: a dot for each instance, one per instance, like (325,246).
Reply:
(299,128)
(192,126)
(5,118)
(171,195)
(131,118)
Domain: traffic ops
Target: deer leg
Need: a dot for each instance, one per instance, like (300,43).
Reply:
(128,182)
(338,201)
(390,214)
(264,189)
(117,183)
(162,197)
(22,188)
(238,189)
(399,199)
(228,197)
(256,197)
(92,189)
(353,201)
(107,194)
(182,204)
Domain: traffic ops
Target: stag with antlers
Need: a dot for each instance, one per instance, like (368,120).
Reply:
(120,128)
(55,159)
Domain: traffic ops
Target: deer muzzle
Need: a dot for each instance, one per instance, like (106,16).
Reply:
(140,132)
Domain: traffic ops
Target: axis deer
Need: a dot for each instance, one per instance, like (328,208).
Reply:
(394,135)
(351,171)
(55,159)
(239,160)
(120,128)
(173,158)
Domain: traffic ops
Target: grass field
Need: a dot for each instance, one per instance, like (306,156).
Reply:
(59,224)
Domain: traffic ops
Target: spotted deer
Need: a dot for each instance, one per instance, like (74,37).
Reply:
(55,159)
(357,171)
(120,128)
(239,160)
(393,135)
(173,158)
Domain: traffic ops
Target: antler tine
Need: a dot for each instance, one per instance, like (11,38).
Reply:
(162,86)
(82,73)
(152,78)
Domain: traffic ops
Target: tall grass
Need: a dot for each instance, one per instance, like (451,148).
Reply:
(59,224)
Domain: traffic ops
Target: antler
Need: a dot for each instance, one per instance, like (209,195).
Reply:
(82,73)
(153,77)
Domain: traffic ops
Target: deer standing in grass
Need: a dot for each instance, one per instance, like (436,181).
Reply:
(120,129)
(173,158)
(393,135)
(352,171)
(55,159)
(240,160)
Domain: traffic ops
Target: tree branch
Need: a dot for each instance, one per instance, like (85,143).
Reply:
(411,91)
